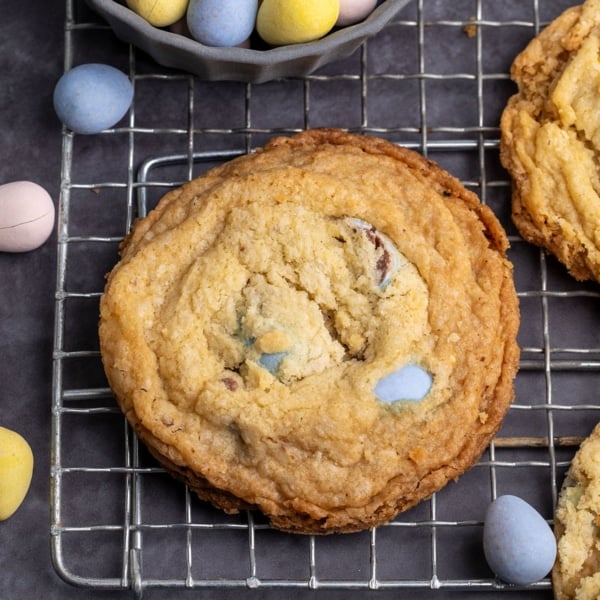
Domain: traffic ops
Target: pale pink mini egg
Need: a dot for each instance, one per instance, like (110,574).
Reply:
(353,11)
(26,216)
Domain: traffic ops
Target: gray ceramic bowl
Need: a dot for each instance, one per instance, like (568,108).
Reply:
(241,64)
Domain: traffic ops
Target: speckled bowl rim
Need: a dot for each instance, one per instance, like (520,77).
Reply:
(244,64)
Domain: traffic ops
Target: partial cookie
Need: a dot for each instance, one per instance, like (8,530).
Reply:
(550,140)
(576,574)
(324,329)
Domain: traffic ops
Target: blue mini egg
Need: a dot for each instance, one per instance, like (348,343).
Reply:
(411,382)
(272,361)
(518,543)
(92,97)
(221,22)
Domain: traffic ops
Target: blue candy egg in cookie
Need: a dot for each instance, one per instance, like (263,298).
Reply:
(271,347)
(518,543)
(409,383)
(272,361)
(92,97)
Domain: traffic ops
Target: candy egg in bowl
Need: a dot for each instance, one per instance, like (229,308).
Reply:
(255,61)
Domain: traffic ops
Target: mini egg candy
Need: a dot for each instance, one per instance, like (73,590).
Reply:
(160,13)
(409,383)
(518,543)
(221,22)
(281,22)
(388,261)
(16,469)
(272,361)
(273,346)
(26,216)
(92,97)
(353,11)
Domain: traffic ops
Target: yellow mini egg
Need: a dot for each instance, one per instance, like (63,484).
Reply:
(160,13)
(281,22)
(16,469)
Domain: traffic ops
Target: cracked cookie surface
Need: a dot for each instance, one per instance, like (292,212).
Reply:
(576,574)
(550,140)
(254,311)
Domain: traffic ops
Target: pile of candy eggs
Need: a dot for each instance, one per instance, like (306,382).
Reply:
(228,23)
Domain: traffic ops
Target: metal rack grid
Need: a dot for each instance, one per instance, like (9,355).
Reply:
(113,511)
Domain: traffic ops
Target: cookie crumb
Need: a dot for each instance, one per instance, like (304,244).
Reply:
(471,30)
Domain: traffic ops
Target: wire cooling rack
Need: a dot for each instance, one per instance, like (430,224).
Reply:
(436,79)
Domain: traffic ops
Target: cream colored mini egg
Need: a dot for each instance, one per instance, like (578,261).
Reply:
(160,13)
(16,470)
(26,216)
(353,11)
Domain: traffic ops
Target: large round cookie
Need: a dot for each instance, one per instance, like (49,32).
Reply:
(324,329)
(550,140)
(576,573)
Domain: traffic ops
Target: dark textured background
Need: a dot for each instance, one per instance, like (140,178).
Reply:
(31,60)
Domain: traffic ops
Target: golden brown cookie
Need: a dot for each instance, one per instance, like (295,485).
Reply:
(550,140)
(576,573)
(324,329)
